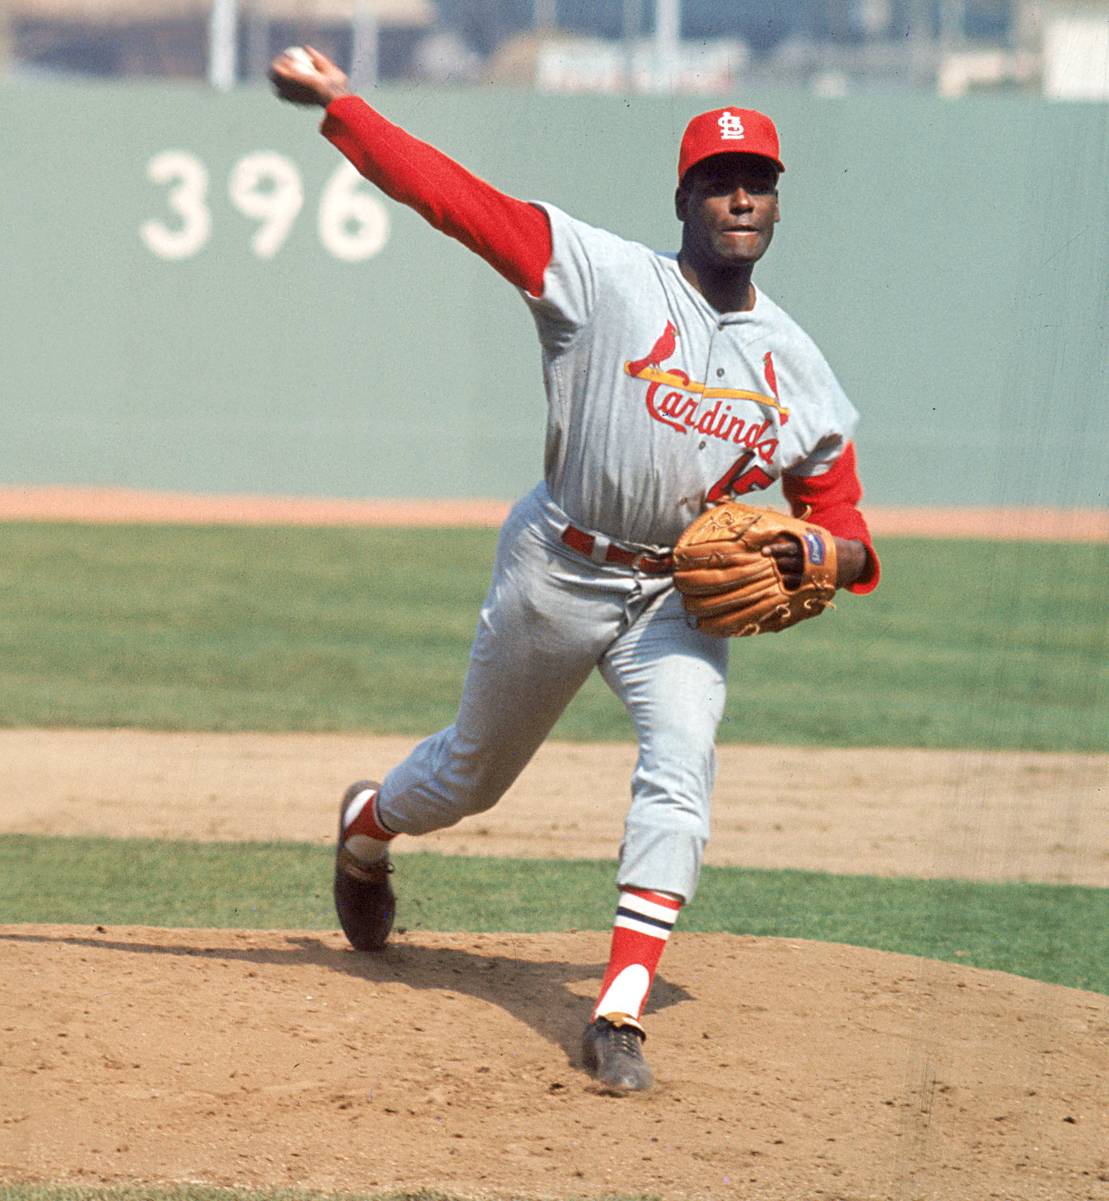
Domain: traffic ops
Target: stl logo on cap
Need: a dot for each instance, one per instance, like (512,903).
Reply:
(731,126)
(728,131)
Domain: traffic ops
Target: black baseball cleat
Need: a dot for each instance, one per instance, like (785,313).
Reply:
(613,1054)
(364,898)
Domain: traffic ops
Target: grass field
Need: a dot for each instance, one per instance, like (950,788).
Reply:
(288,629)
(966,644)
(1055,933)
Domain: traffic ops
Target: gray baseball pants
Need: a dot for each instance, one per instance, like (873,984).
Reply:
(550,617)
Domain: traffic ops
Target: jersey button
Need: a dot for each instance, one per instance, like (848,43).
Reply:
(719,372)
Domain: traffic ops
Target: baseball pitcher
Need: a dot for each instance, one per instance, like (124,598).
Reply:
(675,388)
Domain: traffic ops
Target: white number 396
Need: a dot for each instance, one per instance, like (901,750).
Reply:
(352,223)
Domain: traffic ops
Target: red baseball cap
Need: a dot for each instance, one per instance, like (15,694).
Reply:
(728,130)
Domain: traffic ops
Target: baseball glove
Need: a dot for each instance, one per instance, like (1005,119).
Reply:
(733,589)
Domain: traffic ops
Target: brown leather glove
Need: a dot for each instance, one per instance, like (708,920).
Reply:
(733,588)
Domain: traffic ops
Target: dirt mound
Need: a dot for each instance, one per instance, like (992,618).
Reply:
(786,1069)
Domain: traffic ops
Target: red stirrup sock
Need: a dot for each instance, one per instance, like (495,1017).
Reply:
(643,924)
(364,836)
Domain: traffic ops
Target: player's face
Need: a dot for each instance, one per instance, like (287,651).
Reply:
(729,206)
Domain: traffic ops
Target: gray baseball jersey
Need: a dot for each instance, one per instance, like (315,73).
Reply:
(655,398)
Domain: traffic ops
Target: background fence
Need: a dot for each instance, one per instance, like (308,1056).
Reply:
(198,296)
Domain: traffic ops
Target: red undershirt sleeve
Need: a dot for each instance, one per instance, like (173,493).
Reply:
(833,499)
(514,237)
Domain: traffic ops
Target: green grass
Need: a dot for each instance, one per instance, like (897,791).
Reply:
(1054,933)
(966,644)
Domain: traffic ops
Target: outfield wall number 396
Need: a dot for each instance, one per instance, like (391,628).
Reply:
(267,187)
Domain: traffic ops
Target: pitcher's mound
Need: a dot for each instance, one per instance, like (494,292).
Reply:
(787,1071)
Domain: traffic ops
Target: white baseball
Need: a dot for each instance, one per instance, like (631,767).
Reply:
(301,60)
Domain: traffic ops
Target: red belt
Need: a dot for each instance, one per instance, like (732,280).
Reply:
(585,543)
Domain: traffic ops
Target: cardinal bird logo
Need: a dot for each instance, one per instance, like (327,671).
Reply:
(674,399)
(662,350)
(768,371)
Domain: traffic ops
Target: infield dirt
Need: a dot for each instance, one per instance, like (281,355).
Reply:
(981,815)
(787,1070)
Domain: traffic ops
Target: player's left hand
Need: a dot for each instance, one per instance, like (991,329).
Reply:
(744,570)
(298,84)
(786,552)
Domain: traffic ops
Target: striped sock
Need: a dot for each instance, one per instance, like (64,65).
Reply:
(364,836)
(643,924)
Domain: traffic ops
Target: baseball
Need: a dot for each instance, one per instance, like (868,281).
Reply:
(301,60)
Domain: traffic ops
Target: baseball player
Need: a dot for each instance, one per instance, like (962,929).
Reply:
(673,384)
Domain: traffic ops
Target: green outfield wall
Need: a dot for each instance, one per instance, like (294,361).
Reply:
(197,296)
